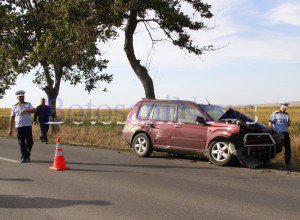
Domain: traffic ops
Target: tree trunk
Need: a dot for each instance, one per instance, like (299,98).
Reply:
(52,96)
(52,91)
(52,105)
(140,71)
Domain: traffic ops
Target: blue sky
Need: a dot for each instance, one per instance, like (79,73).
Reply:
(258,62)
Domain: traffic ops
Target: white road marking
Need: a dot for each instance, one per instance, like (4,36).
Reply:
(54,123)
(9,160)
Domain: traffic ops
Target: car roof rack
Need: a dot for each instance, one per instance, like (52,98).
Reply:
(147,99)
(165,100)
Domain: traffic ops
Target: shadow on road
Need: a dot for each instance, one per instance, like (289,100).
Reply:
(191,158)
(106,171)
(16,180)
(21,202)
(139,165)
(282,167)
(275,166)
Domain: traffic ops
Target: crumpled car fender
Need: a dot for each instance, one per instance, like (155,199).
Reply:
(226,134)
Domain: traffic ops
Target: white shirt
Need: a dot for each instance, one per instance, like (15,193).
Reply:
(23,120)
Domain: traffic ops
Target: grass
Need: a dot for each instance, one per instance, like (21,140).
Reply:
(110,136)
(99,135)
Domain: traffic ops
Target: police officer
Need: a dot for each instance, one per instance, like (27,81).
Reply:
(43,115)
(280,121)
(21,115)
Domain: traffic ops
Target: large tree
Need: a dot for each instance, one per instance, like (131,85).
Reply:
(7,74)
(166,16)
(56,40)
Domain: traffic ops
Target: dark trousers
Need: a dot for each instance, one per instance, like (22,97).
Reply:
(24,135)
(44,128)
(287,147)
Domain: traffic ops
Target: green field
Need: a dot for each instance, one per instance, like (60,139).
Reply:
(110,136)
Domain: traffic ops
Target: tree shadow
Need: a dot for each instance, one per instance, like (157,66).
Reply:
(22,202)
(16,180)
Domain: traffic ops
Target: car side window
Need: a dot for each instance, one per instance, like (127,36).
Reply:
(164,112)
(187,113)
(144,111)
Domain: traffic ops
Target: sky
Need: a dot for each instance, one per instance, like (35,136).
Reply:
(257,61)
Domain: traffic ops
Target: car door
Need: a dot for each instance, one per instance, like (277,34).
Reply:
(161,124)
(186,133)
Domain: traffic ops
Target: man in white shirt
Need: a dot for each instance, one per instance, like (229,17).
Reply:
(21,116)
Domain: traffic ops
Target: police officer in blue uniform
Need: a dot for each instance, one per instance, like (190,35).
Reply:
(280,121)
(21,116)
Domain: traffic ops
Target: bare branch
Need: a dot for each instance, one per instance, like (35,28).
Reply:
(147,20)
(150,35)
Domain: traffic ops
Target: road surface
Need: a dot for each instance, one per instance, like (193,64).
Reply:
(105,184)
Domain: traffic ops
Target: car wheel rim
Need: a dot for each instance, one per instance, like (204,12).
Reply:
(220,151)
(140,145)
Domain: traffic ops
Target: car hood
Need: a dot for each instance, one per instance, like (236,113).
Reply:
(246,123)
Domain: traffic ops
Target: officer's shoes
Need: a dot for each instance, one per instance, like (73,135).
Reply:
(23,160)
(28,159)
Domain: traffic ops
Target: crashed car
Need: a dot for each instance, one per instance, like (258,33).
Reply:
(185,127)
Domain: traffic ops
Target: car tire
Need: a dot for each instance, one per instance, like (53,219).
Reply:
(219,153)
(141,145)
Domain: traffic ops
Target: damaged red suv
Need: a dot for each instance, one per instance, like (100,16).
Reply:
(185,127)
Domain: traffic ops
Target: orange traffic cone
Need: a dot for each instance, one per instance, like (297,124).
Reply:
(59,159)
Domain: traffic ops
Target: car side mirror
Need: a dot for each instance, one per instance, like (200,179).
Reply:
(200,120)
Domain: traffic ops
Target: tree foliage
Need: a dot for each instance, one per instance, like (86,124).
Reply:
(57,40)
(171,18)
(166,16)
(7,73)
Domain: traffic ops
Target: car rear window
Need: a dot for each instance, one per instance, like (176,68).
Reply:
(164,112)
(144,111)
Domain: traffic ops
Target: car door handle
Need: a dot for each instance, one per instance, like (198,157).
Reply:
(177,126)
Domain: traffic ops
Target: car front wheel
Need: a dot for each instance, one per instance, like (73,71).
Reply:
(219,153)
(141,145)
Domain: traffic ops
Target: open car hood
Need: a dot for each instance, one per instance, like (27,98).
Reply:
(248,123)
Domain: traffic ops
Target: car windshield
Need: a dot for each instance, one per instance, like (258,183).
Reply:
(214,112)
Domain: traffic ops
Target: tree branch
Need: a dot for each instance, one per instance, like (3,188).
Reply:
(147,20)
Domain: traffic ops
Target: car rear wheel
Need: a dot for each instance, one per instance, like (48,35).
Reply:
(219,153)
(141,145)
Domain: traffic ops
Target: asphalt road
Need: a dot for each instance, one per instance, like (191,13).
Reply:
(105,184)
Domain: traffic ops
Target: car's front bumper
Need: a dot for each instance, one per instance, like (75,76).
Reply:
(262,146)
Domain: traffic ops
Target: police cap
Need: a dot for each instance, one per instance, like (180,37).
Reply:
(20,93)
(285,104)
